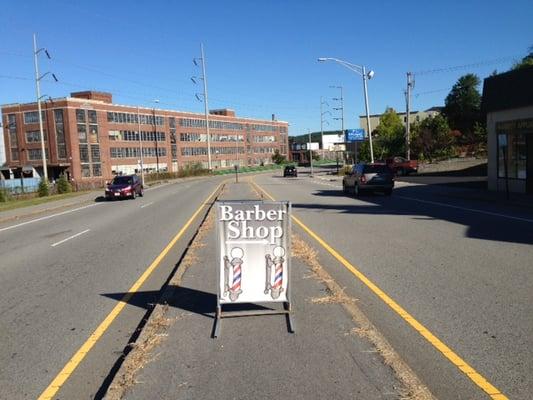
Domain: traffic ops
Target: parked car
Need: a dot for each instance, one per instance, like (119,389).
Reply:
(124,186)
(402,166)
(290,170)
(369,177)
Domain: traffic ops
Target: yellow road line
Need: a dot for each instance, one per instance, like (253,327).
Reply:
(455,359)
(78,357)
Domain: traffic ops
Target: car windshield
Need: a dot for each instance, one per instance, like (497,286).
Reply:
(376,169)
(123,180)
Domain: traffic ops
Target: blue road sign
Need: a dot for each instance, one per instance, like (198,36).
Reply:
(354,135)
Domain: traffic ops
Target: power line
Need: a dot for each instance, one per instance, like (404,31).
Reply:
(478,64)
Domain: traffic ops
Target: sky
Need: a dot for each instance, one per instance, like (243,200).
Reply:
(261,56)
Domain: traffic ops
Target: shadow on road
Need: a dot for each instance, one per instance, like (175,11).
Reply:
(409,201)
(187,299)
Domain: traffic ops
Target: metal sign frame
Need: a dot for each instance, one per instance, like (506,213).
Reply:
(287,305)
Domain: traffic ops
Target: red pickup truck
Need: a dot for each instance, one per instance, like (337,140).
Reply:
(402,166)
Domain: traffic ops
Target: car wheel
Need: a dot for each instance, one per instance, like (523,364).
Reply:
(400,172)
(141,193)
(133,195)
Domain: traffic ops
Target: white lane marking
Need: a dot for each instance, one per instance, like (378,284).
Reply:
(47,217)
(70,237)
(147,204)
(466,209)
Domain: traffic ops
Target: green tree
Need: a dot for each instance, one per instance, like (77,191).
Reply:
(63,185)
(43,189)
(525,62)
(278,158)
(389,135)
(463,107)
(432,138)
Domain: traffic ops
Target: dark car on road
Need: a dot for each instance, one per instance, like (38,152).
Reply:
(124,186)
(369,178)
(290,170)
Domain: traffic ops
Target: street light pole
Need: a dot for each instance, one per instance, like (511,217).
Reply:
(140,145)
(361,70)
(206,109)
(369,128)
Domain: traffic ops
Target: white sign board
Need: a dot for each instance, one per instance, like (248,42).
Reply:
(253,251)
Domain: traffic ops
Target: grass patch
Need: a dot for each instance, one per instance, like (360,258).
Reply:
(19,203)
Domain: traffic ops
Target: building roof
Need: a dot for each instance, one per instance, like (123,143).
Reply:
(412,112)
(98,97)
(508,90)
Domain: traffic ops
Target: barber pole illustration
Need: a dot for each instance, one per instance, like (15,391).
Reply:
(274,285)
(233,286)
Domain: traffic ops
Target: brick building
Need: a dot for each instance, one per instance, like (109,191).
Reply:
(91,139)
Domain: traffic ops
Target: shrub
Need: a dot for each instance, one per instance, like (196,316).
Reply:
(63,185)
(4,195)
(44,189)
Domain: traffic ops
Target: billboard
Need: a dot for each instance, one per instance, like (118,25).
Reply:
(253,251)
(354,135)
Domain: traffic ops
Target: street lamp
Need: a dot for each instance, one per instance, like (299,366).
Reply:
(366,75)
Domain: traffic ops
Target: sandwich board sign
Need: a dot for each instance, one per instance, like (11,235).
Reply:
(253,256)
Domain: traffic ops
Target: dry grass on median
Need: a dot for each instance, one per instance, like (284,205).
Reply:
(142,352)
(413,388)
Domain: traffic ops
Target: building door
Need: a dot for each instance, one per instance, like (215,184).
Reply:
(529,163)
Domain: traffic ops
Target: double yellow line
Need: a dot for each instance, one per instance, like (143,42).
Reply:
(455,359)
(78,357)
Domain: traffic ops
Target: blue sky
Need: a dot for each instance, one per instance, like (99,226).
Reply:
(261,55)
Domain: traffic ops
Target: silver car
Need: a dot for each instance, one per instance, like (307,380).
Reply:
(368,178)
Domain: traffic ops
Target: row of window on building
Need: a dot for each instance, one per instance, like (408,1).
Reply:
(133,152)
(133,136)
(129,118)
(202,151)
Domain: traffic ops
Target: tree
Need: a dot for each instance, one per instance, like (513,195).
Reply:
(277,157)
(63,185)
(43,189)
(463,106)
(390,135)
(432,138)
(526,62)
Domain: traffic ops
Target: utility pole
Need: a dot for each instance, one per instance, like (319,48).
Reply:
(38,90)
(310,153)
(322,120)
(410,86)
(206,107)
(341,109)
(140,145)
(321,123)
(155,138)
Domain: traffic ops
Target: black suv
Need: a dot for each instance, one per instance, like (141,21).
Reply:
(124,186)
(290,170)
(369,177)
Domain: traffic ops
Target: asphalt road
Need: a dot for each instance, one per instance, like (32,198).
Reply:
(57,274)
(460,267)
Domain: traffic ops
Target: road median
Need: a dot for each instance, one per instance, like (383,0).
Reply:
(331,355)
